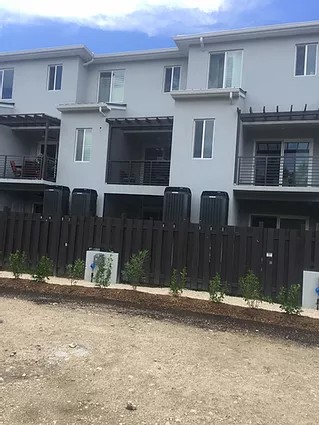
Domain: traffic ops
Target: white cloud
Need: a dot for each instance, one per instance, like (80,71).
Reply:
(150,16)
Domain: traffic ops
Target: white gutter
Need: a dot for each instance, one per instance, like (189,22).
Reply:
(101,112)
(89,62)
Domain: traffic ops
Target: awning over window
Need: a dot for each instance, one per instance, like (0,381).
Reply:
(141,122)
(29,120)
(279,116)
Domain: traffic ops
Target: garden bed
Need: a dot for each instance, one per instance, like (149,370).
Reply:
(203,312)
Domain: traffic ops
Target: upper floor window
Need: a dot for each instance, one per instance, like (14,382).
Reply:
(111,87)
(6,83)
(204,138)
(306,59)
(172,78)
(225,69)
(55,77)
(83,144)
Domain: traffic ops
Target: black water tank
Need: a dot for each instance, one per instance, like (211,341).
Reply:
(83,202)
(214,208)
(177,204)
(56,201)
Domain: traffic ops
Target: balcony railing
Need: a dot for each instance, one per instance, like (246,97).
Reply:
(288,170)
(150,173)
(28,167)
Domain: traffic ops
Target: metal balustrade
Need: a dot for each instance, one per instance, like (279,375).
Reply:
(28,167)
(150,173)
(288,170)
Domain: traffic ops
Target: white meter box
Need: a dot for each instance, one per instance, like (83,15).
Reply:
(91,264)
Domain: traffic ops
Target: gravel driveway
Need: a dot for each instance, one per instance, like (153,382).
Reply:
(66,364)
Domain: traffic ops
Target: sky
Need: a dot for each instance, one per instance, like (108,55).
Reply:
(107,26)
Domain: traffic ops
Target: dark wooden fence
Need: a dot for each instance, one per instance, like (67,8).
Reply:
(278,257)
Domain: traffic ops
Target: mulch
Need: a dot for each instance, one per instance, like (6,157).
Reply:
(201,312)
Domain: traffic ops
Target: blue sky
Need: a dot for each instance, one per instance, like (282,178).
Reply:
(135,24)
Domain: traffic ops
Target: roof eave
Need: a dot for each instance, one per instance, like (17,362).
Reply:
(271,31)
(142,55)
(58,52)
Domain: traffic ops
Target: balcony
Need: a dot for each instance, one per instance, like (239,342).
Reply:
(149,173)
(28,167)
(279,171)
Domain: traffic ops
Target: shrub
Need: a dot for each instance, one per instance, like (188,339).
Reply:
(289,299)
(251,290)
(183,276)
(17,262)
(217,289)
(133,272)
(104,271)
(174,288)
(43,270)
(75,271)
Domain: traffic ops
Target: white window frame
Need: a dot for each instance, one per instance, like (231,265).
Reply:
(111,87)
(76,144)
(216,52)
(179,82)
(203,136)
(2,70)
(305,62)
(54,65)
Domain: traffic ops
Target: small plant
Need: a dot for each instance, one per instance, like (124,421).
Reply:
(43,270)
(183,276)
(217,289)
(251,289)
(104,271)
(17,262)
(75,271)
(133,272)
(289,299)
(173,284)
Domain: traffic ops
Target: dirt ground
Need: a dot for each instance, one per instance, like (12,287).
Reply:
(68,364)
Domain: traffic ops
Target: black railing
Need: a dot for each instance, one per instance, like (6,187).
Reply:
(288,170)
(28,167)
(150,173)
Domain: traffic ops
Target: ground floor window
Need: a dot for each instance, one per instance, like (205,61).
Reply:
(277,222)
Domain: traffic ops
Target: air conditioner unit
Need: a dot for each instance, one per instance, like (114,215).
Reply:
(214,208)
(177,204)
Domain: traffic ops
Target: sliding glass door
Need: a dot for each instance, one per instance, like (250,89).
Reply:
(296,164)
(282,163)
(267,169)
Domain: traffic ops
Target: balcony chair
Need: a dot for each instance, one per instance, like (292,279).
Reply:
(16,169)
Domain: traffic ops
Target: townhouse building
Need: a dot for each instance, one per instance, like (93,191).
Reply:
(232,111)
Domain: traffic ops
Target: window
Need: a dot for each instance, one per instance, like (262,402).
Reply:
(306,59)
(6,83)
(83,144)
(55,77)
(203,138)
(267,221)
(278,222)
(225,69)
(111,87)
(172,78)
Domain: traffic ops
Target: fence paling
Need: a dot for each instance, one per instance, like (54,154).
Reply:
(277,257)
